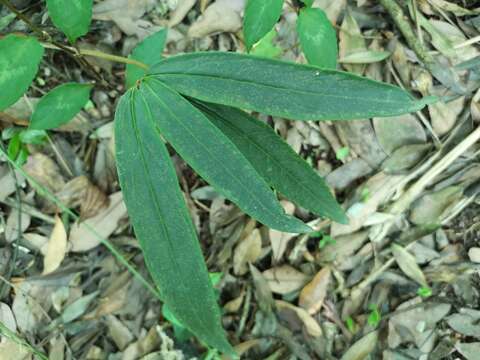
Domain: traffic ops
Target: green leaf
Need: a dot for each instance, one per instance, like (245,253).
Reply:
(214,157)
(149,51)
(317,38)
(260,17)
(60,105)
(282,89)
(73,17)
(19,60)
(275,160)
(266,48)
(162,224)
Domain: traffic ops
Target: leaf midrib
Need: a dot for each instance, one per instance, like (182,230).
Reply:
(156,204)
(274,160)
(284,88)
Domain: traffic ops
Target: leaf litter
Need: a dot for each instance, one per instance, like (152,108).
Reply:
(401,280)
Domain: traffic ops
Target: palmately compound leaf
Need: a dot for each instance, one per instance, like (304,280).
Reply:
(260,17)
(162,224)
(284,89)
(19,60)
(214,157)
(317,38)
(73,17)
(149,51)
(275,160)
(60,105)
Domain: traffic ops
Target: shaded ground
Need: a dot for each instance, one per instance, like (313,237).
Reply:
(400,281)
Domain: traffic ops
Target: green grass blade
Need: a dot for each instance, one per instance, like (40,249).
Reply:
(214,157)
(275,160)
(162,224)
(279,88)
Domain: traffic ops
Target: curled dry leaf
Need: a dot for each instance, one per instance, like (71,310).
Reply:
(81,192)
(351,42)
(313,294)
(263,293)
(429,209)
(221,16)
(104,223)
(126,15)
(182,9)
(248,251)
(44,171)
(56,248)
(7,182)
(405,158)
(285,279)
(311,325)
(444,115)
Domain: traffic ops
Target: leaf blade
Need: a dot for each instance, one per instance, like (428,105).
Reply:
(149,51)
(260,17)
(60,105)
(216,159)
(262,85)
(19,60)
(160,219)
(275,160)
(73,17)
(317,38)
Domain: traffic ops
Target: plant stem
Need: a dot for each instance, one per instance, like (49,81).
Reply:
(403,25)
(111,57)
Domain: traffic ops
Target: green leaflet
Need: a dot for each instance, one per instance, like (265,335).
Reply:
(318,38)
(214,157)
(280,88)
(275,160)
(260,17)
(60,105)
(162,224)
(19,59)
(73,17)
(149,51)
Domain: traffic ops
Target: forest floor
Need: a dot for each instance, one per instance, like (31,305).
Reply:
(400,281)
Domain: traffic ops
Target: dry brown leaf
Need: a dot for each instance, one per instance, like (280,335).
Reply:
(104,223)
(248,251)
(182,9)
(351,41)
(279,240)
(126,14)
(221,16)
(56,248)
(409,266)
(285,279)
(81,192)
(44,171)
(7,183)
(362,348)
(313,294)
(12,226)
(444,115)
(311,325)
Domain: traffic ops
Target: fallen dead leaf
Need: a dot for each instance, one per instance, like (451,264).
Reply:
(44,171)
(221,16)
(407,263)
(311,325)
(285,279)
(56,248)
(313,294)
(104,223)
(248,251)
